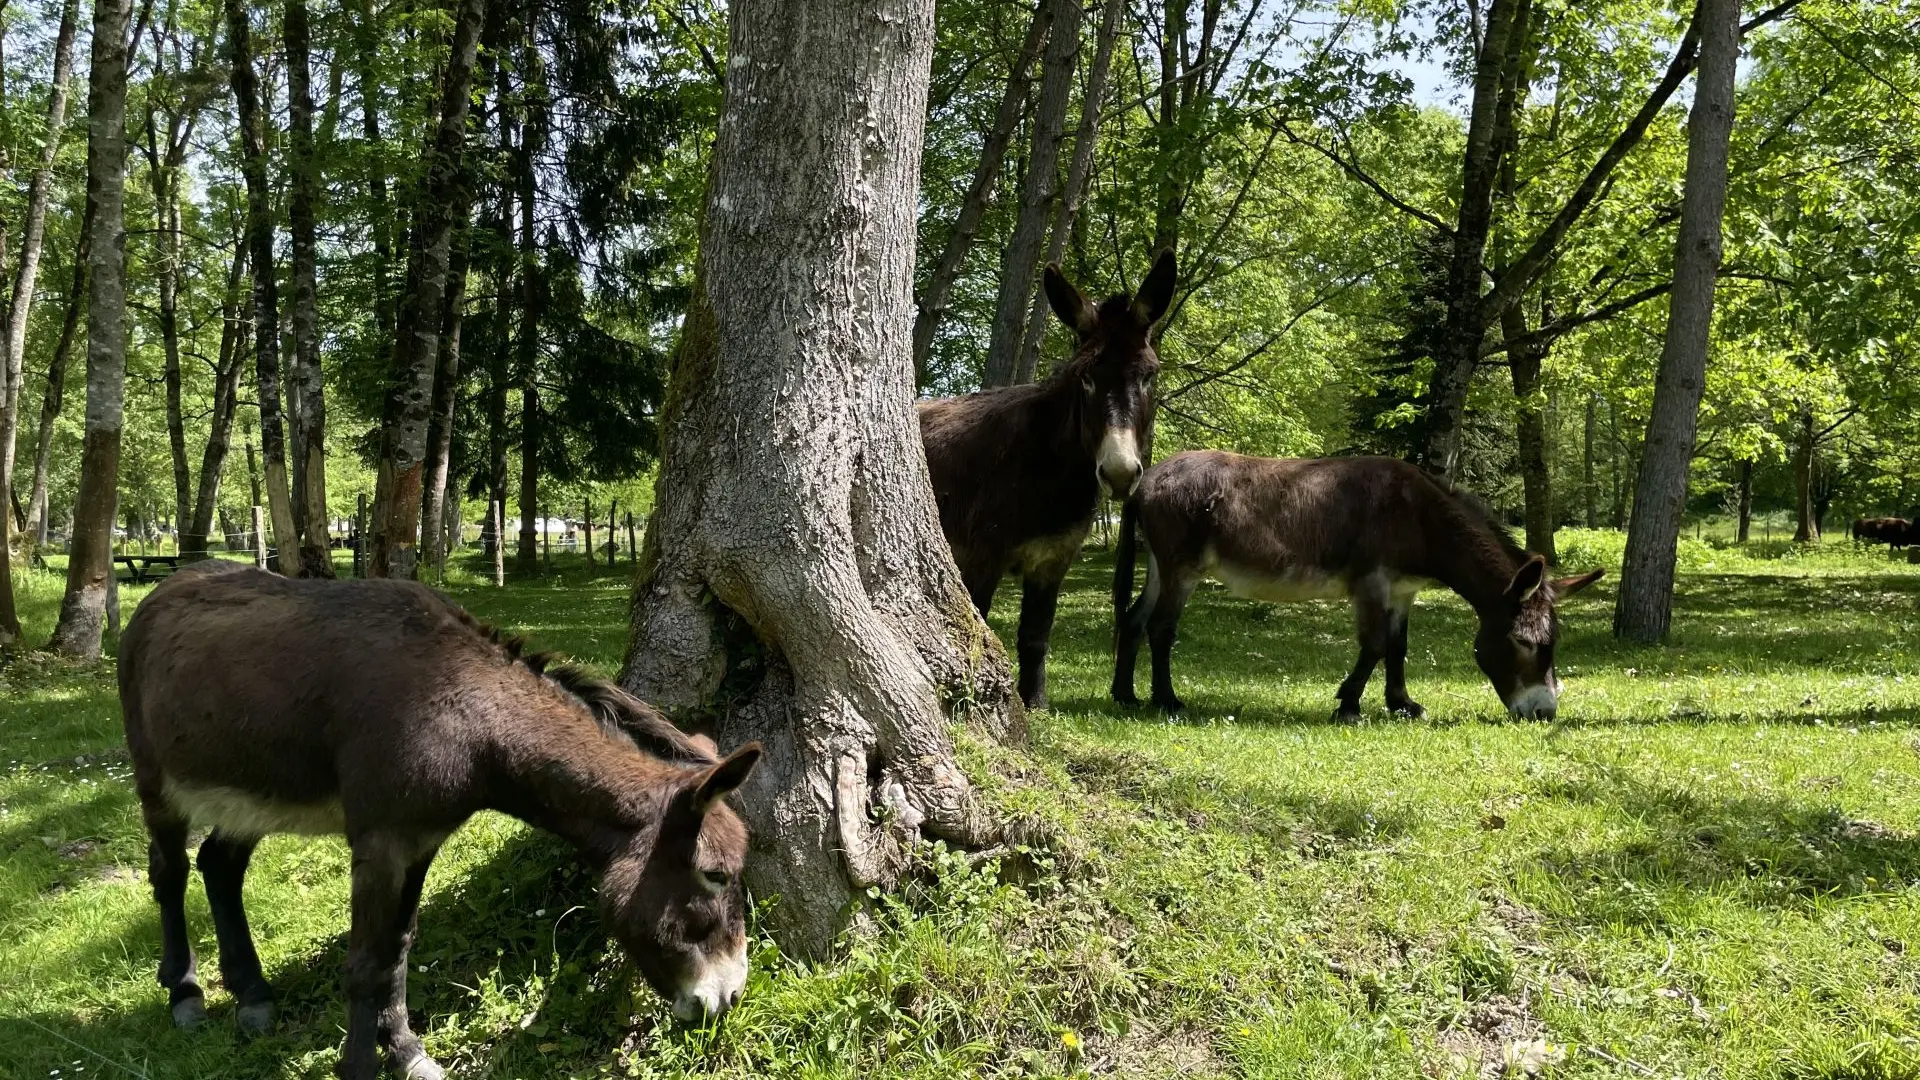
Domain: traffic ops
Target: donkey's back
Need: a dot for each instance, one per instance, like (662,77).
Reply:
(263,704)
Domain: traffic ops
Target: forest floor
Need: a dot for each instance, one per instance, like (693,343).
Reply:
(1708,867)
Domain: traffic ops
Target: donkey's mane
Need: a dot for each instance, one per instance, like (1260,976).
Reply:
(620,715)
(1479,517)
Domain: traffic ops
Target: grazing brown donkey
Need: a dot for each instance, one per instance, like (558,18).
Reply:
(256,704)
(1018,470)
(1377,530)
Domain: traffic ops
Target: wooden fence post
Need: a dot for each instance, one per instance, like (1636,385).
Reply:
(633,549)
(259,539)
(586,524)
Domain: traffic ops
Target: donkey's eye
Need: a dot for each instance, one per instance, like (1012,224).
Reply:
(717,879)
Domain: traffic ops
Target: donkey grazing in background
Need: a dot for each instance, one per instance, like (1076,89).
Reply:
(257,704)
(1377,530)
(1018,471)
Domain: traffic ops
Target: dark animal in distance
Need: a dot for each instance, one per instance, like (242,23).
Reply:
(1891,531)
(1375,530)
(1018,471)
(258,704)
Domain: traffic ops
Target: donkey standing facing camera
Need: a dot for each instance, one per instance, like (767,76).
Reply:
(1374,529)
(256,704)
(1018,471)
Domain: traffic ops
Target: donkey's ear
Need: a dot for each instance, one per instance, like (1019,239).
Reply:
(1156,293)
(1069,302)
(1567,586)
(723,778)
(1527,580)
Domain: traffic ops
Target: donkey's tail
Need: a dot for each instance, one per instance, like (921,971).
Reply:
(1123,560)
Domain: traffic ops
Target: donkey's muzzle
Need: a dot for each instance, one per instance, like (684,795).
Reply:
(1118,462)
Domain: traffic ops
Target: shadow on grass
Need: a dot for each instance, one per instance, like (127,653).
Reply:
(1762,852)
(516,960)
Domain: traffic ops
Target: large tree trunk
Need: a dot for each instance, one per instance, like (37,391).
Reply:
(234,337)
(90,559)
(367,44)
(13,334)
(973,208)
(446,403)
(441,194)
(1589,492)
(1037,195)
(1536,479)
(316,552)
(1078,172)
(533,129)
(56,392)
(266,300)
(1806,527)
(1745,499)
(1496,92)
(1644,607)
(795,556)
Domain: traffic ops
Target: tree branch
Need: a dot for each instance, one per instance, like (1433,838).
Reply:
(1357,173)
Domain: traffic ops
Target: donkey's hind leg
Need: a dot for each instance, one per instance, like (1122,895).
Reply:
(1162,625)
(167,869)
(1373,625)
(388,873)
(223,863)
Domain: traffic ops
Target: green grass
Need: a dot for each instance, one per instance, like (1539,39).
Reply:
(1705,869)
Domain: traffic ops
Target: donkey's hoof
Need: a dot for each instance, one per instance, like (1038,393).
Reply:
(1169,703)
(1125,696)
(1346,714)
(1409,710)
(1035,703)
(190,1012)
(420,1067)
(255,1019)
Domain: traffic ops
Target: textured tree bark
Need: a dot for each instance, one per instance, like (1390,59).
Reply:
(1037,195)
(986,175)
(234,336)
(795,586)
(316,552)
(532,306)
(366,34)
(1536,478)
(266,300)
(1644,607)
(1589,492)
(1806,525)
(446,401)
(1085,139)
(442,192)
(13,334)
(56,392)
(90,558)
(13,343)
(1746,499)
(1489,136)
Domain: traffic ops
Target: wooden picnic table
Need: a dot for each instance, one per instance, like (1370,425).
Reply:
(141,568)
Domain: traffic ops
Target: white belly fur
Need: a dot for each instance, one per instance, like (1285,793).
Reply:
(1292,586)
(1049,551)
(244,814)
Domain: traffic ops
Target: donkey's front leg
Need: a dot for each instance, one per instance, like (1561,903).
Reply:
(1039,598)
(388,872)
(1398,700)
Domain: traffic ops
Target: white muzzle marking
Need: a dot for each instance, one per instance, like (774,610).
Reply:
(1118,462)
(1534,701)
(714,989)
